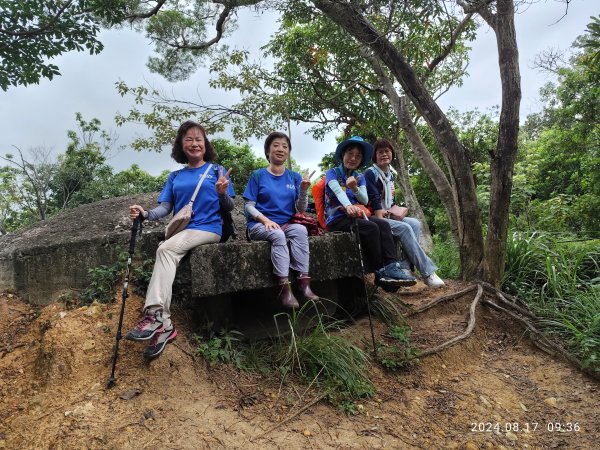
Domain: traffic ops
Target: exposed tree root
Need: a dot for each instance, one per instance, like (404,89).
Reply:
(468,331)
(438,300)
(513,307)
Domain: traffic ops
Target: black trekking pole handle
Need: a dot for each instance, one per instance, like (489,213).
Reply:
(362,267)
(137,225)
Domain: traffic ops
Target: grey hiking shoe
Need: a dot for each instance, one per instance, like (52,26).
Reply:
(148,327)
(159,343)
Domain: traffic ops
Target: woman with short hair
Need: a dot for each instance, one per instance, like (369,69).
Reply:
(272,196)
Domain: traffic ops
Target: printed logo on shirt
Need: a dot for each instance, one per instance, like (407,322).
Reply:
(290,186)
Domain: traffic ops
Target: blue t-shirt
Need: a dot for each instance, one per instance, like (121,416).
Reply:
(332,204)
(178,191)
(275,196)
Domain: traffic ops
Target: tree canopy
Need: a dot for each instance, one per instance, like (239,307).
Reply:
(32,32)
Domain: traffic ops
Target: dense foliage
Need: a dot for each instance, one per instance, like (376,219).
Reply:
(32,32)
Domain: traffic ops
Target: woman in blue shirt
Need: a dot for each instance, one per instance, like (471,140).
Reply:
(192,148)
(345,189)
(272,197)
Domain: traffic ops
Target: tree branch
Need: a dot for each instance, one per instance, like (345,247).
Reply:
(448,48)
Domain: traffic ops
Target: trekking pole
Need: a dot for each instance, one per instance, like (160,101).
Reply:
(137,224)
(362,267)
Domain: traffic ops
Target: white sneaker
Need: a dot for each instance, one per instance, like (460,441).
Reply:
(433,281)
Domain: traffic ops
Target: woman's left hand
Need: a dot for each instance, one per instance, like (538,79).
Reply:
(305,183)
(222,183)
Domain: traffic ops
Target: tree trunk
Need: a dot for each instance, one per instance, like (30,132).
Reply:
(471,247)
(410,198)
(431,167)
(434,171)
(503,159)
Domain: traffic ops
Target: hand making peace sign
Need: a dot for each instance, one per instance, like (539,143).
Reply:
(222,183)
(305,183)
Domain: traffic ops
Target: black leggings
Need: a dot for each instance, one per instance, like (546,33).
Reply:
(375,236)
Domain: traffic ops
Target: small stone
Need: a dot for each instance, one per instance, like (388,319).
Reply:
(130,393)
(306,433)
(511,436)
(443,366)
(62,314)
(88,345)
(523,407)
(94,310)
(551,401)
(485,401)
(471,446)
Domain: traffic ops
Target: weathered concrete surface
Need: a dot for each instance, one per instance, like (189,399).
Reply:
(241,265)
(46,259)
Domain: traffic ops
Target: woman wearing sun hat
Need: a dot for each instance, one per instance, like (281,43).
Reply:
(345,190)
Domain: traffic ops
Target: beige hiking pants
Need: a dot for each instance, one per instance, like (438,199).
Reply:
(168,255)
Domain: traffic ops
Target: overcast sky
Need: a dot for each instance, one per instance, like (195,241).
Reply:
(40,115)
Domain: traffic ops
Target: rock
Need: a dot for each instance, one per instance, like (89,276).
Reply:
(551,401)
(94,310)
(485,401)
(88,345)
(306,433)
(511,436)
(471,446)
(130,393)
(523,407)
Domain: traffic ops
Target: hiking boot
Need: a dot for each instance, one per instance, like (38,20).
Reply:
(286,297)
(148,327)
(407,272)
(433,281)
(382,280)
(305,290)
(393,270)
(159,342)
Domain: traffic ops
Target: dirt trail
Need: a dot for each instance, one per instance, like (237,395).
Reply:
(492,391)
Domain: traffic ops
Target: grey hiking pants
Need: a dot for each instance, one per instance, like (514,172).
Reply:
(284,259)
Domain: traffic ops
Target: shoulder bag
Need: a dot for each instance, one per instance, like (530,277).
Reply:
(184,215)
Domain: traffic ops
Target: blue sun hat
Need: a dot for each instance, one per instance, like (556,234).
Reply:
(367,150)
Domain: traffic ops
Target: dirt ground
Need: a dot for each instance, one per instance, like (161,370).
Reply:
(494,390)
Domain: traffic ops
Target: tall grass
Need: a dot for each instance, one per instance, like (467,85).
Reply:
(308,346)
(322,357)
(561,284)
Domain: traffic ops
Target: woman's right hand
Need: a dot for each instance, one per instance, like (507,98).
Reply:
(353,211)
(269,224)
(135,211)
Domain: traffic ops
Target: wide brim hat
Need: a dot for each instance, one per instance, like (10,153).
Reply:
(367,149)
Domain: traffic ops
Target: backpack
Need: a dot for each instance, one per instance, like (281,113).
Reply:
(318,194)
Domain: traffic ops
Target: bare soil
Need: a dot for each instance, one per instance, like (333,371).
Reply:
(494,390)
